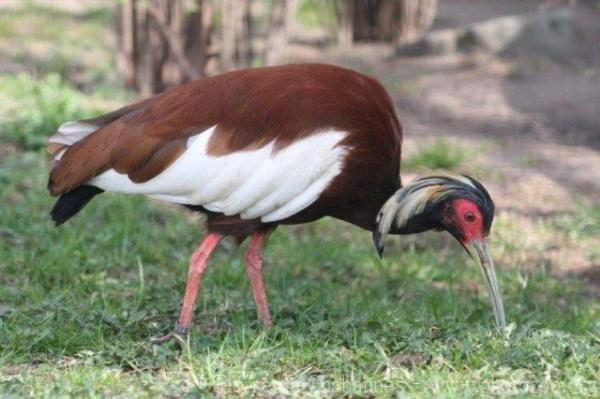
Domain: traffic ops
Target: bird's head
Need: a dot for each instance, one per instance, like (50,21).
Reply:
(457,204)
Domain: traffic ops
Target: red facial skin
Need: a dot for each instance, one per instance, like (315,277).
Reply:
(467,218)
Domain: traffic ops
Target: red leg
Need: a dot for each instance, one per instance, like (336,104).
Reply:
(254,261)
(198,264)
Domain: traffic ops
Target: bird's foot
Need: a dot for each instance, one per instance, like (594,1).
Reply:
(179,335)
(267,323)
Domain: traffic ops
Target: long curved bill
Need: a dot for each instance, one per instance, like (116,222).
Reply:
(489,274)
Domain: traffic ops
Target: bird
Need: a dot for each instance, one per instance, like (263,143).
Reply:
(256,148)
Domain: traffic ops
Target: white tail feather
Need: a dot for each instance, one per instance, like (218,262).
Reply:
(68,134)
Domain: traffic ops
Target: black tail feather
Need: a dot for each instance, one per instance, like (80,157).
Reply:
(72,202)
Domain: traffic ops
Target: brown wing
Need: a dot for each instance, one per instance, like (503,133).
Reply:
(134,140)
(250,108)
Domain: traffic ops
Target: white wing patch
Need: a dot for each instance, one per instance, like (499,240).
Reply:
(255,184)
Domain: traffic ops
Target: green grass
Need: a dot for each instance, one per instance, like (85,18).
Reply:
(440,154)
(31,109)
(46,39)
(78,305)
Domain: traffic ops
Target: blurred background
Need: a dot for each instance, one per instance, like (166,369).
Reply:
(507,91)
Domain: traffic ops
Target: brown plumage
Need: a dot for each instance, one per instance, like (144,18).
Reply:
(251,108)
(348,117)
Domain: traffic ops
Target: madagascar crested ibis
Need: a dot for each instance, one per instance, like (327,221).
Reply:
(256,148)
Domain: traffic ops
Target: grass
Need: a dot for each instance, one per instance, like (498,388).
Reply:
(47,39)
(78,306)
(31,109)
(440,154)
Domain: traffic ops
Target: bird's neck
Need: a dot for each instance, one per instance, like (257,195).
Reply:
(366,218)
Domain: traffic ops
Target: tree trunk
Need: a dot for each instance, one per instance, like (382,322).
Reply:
(290,17)
(387,19)
(174,41)
(365,20)
(172,71)
(198,32)
(156,48)
(244,35)
(346,28)
(394,21)
(415,18)
(127,38)
(227,34)
(146,83)
(235,34)
(277,38)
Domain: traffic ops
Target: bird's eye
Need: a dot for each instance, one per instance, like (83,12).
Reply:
(469,217)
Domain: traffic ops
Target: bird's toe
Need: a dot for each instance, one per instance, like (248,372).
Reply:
(179,335)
